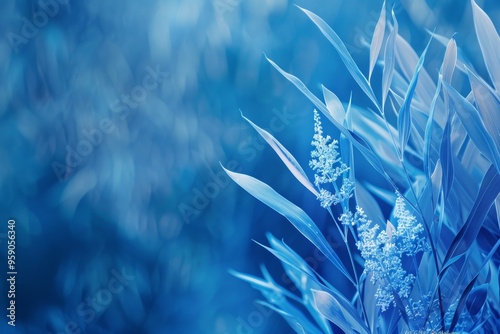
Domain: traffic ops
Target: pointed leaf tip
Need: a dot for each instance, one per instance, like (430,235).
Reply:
(344,54)
(299,219)
(286,157)
(404,117)
(377,41)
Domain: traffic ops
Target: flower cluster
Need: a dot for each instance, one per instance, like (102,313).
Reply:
(328,167)
(410,237)
(383,250)
(383,261)
(358,218)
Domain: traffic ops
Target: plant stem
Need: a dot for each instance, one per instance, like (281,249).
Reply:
(351,259)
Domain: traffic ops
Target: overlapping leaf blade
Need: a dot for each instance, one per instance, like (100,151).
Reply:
(429,132)
(446,74)
(377,41)
(450,61)
(266,285)
(476,299)
(474,125)
(489,41)
(304,278)
(330,307)
(389,61)
(334,105)
(351,65)
(358,142)
(407,59)
(488,105)
(290,162)
(299,219)
(489,190)
(447,160)
(404,117)
(276,295)
(301,275)
(465,294)
(295,318)
(461,303)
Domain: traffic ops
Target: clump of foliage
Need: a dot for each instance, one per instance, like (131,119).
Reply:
(433,266)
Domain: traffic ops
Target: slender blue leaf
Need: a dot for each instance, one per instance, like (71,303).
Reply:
(385,195)
(424,192)
(497,206)
(300,85)
(404,117)
(266,285)
(489,41)
(402,309)
(294,318)
(479,325)
(389,60)
(348,114)
(400,86)
(370,303)
(377,41)
(429,130)
(299,219)
(440,38)
(446,156)
(407,60)
(276,295)
(465,293)
(462,63)
(334,105)
(446,74)
(371,127)
(474,125)
(449,61)
(476,299)
(285,156)
(461,303)
(489,190)
(358,142)
(330,307)
(286,255)
(351,65)
(304,278)
(346,147)
(488,106)
(301,275)
(439,224)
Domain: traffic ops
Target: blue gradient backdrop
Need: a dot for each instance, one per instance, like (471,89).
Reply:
(114,119)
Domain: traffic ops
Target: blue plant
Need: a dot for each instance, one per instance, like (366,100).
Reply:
(433,265)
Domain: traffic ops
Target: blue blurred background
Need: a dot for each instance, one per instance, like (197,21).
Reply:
(114,119)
